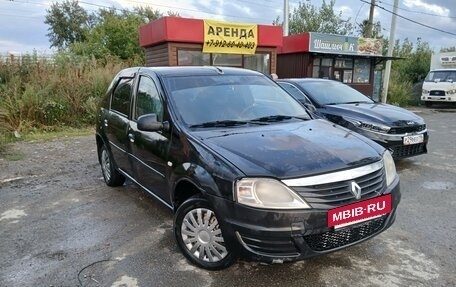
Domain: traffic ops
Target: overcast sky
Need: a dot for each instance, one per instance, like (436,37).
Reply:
(22,27)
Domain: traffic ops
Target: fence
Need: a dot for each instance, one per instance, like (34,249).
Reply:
(20,58)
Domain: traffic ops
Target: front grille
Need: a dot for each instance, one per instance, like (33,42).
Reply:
(338,238)
(404,130)
(437,93)
(408,150)
(339,193)
(273,246)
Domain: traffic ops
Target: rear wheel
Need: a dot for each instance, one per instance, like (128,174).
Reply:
(110,174)
(199,235)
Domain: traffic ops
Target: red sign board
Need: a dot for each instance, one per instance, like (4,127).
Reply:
(359,211)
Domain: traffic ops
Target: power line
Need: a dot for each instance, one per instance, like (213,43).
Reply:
(152,5)
(21,16)
(419,12)
(413,21)
(194,10)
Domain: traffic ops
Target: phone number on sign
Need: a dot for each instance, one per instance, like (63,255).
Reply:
(230,44)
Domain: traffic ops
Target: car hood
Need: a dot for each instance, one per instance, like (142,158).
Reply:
(377,113)
(289,150)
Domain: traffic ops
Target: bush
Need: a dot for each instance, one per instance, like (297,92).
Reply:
(400,93)
(62,91)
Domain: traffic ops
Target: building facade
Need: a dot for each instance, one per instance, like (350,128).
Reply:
(176,41)
(354,61)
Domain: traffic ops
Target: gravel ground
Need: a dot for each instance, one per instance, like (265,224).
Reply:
(60,225)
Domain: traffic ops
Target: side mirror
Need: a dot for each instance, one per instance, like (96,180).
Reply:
(149,123)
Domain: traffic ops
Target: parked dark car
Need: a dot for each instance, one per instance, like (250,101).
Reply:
(397,129)
(243,166)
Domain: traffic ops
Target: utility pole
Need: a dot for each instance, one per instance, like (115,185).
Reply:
(286,14)
(370,23)
(390,53)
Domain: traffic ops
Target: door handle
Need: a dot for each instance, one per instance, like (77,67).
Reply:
(105,122)
(131,137)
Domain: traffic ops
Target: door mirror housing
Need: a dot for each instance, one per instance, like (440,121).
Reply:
(150,123)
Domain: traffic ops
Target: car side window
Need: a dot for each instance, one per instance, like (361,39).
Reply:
(297,94)
(147,99)
(121,96)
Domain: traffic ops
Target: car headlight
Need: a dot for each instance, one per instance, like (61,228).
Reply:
(425,92)
(368,126)
(390,168)
(451,92)
(267,193)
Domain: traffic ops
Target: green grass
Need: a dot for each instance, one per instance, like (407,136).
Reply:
(67,132)
(10,153)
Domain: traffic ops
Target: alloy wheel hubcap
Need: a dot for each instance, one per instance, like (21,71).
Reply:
(106,164)
(202,235)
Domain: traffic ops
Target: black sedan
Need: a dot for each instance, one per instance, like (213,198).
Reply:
(245,169)
(395,128)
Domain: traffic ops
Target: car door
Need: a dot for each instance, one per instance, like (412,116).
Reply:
(117,121)
(149,150)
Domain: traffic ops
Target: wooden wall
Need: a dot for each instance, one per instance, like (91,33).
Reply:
(294,65)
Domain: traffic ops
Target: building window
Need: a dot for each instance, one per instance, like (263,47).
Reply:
(343,70)
(361,71)
(258,62)
(192,58)
(322,68)
(232,60)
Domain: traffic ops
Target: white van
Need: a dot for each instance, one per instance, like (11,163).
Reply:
(440,84)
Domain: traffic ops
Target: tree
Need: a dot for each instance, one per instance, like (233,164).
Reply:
(376,29)
(308,18)
(68,23)
(415,65)
(116,33)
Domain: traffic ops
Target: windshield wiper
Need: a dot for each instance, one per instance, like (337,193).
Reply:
(274,118)
(224,123)
(358,102)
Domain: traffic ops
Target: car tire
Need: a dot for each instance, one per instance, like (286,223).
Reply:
(199,235)
(428,104)
(111,176)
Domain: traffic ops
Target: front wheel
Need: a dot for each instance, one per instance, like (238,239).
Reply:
(110,174)
(428,104)
(199,236)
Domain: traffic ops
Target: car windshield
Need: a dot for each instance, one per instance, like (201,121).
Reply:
(333,93)
(441,76)
(231,100)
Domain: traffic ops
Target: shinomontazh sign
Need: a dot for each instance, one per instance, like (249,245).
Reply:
(230,38)
(339,44)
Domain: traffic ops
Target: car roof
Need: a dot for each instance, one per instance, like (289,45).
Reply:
(196,70)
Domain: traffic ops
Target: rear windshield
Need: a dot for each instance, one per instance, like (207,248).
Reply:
(441,76)
(202,99)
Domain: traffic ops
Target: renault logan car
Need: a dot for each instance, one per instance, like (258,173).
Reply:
(244,168)
(401,131)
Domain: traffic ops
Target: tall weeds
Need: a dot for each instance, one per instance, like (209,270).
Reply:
(46,94)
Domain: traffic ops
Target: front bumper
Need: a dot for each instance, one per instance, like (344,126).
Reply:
(279,236)
(439,98)
(395,143)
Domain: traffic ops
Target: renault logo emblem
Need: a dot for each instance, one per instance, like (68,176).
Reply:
(356,190)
